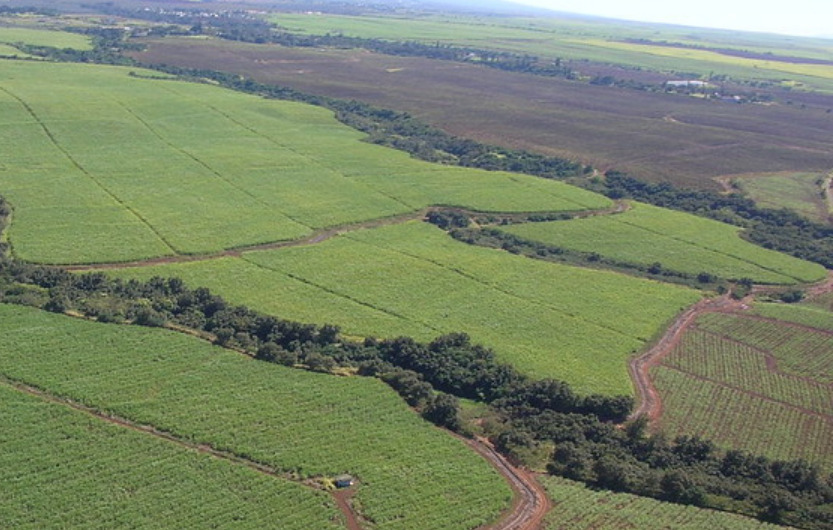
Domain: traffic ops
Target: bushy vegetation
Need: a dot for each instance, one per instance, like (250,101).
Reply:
(411,279)
(578,507)
(412,476)
(531,412)
(782,229)
(66,469)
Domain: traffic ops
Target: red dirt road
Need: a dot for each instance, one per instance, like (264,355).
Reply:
(531,503)
(650,404)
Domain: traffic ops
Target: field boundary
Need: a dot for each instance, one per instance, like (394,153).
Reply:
(319,236)
(650,402)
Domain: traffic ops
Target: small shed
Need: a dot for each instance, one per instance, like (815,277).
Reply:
(343,481)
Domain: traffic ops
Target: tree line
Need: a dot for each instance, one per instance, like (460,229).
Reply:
(776,229)
(592,442)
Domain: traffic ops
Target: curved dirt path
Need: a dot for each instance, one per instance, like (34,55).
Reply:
(343,506)
(320,236)
(650,403)
(531,503)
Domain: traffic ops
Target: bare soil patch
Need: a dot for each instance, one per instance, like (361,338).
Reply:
(607,127)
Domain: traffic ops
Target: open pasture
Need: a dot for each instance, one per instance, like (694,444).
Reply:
(654,136)
(106,166)
(546,319)
(412,475)
(61,468)
(577,507)
(678,241)
(801,192)
(754,384)
(41,37)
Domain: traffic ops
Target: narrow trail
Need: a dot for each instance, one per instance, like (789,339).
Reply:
(650,403)
(531,503)
(340,498)
(319,236)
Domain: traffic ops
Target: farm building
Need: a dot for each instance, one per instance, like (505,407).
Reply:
(343,481)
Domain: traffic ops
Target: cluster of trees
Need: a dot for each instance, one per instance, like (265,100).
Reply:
(781,230)
(400,130)
(451,363)
(589,444)
(244,27)
(686,470)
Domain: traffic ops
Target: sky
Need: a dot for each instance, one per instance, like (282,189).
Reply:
(790,17)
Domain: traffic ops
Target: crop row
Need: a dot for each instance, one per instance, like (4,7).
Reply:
(718,359)
(678,241)
(61,468)
(147,167)
(412,475)
(577,508)
(812,314)
(737,419)
(799,351)
(544,318)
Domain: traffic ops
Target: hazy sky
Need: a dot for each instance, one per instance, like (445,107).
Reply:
(791,17)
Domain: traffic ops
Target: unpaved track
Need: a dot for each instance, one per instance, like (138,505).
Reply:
(342,504)
(650,404)
(531,503)
(320,236)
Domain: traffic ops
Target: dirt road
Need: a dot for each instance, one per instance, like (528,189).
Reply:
(531,503)
(650,404)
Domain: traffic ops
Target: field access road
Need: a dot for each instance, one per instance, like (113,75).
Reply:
(319,236)
(650,403)
(531,503)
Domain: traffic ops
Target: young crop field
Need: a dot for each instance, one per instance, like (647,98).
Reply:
(412,475)
(108,166)
(680,139)
(754,384)
(39,37)
(547,319)
(678,241)
(62,468)
(808,314)
(801,192)
(577,507)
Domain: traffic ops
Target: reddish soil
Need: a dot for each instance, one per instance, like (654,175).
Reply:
(343,501)
(341,498)
(531,503)
(650,403)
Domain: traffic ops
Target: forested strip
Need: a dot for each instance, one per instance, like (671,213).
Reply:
(586,431)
